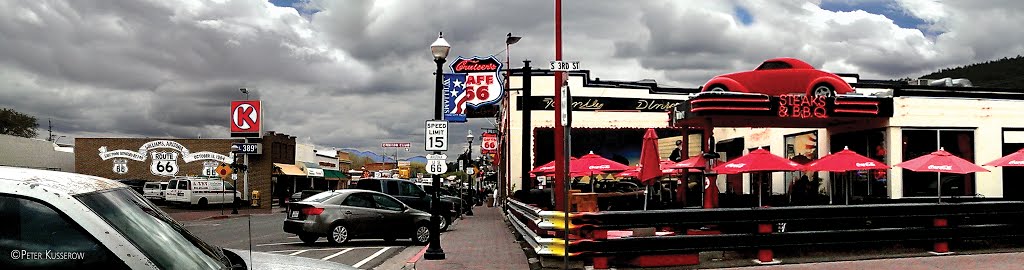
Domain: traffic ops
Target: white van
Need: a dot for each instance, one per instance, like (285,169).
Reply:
(200,191)
(154,191)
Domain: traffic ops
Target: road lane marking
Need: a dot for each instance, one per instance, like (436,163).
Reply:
(278,244)
(371,257)
(298,252)
(332,249)
(336,254)
(292,243)
(321,249)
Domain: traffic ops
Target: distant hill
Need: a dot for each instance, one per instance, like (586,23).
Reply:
(1002,73)
(378,158)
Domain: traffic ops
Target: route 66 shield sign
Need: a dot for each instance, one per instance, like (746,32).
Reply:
(164,164)
(120,166)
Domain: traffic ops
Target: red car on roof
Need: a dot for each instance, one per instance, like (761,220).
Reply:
(779,76)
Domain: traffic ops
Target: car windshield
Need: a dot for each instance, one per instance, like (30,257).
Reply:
(165,241)
(320,197)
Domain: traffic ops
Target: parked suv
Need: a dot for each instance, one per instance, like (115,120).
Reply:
(466,207)
(410,194)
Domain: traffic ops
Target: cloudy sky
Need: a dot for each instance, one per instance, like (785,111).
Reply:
(356,73)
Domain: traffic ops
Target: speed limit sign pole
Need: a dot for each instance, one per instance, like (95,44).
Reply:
(437,141)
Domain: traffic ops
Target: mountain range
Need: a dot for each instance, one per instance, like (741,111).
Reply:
(375,157)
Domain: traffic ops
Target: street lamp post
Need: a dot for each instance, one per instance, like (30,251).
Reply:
(469,158)
(505,171)
(439,49)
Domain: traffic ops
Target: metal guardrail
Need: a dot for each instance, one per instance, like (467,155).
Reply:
(696,243)
(701,217)
(825,226)
(528,220)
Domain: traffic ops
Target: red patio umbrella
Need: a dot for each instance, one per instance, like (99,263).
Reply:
(650,163)
(549,168)
(1016,159)
(595,164)
(941,162)
(759,160)
(697,161)
(633,171)
(844,161)
(649,156)
(710,190)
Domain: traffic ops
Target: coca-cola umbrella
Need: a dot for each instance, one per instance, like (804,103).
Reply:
(759,160)
(633,171)
(595,164)
(844,161)
(650,163)
(548,168)
(1016,159)
(710,191)
(941,162)
(698,161)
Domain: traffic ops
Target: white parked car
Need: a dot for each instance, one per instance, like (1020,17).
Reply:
(154,191)
(58,220)
(200,191)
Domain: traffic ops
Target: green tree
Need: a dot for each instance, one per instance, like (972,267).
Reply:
(416,167)
(17,124)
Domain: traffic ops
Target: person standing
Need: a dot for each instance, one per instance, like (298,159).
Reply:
(677,155)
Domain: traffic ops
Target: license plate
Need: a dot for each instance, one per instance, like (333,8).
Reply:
(295,214)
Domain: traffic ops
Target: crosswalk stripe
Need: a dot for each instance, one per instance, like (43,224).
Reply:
(371,257)
(336,254)
(298,252)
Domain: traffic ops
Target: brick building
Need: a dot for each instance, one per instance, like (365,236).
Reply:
(159,160)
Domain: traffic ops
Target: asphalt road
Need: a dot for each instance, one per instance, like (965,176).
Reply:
(266,235)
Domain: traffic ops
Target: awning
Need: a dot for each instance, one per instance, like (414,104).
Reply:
(334,175)
(288,169)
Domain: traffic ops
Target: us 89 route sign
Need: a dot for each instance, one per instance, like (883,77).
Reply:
(436,135)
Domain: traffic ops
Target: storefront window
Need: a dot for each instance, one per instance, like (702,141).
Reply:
(801,148)
(919,142)
(866,184)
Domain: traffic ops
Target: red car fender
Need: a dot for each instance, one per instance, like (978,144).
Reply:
(732,85)
(839,85)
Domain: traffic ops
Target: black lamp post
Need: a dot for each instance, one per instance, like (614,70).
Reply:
(440,50)
(469,158)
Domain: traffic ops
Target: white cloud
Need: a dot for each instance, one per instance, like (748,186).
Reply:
(354,73)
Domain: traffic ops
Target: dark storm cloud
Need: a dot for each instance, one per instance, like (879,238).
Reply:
(357,73)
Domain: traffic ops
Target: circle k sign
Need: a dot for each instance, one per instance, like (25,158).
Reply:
(246,117)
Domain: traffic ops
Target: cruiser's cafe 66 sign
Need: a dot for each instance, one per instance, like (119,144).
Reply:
(163,156)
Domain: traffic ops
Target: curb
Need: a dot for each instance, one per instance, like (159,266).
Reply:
(410,264)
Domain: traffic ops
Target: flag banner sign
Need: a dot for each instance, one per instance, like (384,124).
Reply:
(476,82)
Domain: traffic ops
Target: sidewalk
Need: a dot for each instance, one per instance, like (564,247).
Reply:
(482,241)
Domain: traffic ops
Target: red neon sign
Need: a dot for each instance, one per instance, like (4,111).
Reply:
(795,106)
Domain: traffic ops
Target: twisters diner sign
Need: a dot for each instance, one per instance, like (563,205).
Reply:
(164,157)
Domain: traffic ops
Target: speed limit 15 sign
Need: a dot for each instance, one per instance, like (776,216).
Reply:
(437,135)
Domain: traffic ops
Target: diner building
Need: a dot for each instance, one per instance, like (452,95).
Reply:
(889,121)
(609,118)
